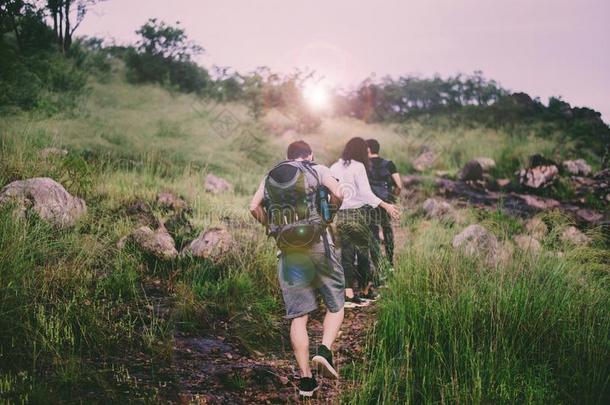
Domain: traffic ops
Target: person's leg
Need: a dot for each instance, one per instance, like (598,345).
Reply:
(296,272)
(362,239)
(364,267)
(388,237)
(375,240)
(331,283)
(348,253)
(331,326)
(347,261)
(300,344)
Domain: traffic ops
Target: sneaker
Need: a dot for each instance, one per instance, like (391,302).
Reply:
(324,361)
(307,386)
(355,302)
(371,295)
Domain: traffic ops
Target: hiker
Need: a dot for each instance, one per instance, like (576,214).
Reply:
(353,219)
(386,184)
(295,202)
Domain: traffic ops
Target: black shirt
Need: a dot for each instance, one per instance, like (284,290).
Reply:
(391,165)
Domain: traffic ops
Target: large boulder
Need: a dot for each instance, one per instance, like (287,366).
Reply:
(574,236)
(538,177)
(475,240)
(472,171)
(47,198)
(424,161)
(158,242)
(211,244)
(439,209)
(216,185)
(578,167)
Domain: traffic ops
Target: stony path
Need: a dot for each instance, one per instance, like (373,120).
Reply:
(209,370)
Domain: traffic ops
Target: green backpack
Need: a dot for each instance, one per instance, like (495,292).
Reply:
(291,206)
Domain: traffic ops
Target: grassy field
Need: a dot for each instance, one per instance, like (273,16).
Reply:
(74,308)
(450,329)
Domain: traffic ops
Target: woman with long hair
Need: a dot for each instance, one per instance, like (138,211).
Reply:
(353,218)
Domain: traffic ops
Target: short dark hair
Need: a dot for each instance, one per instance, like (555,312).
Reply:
(373,145)
(298,149)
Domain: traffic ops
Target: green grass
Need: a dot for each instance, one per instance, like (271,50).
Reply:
(450,329)
(74,307)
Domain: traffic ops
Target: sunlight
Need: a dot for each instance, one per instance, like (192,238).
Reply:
(317,96)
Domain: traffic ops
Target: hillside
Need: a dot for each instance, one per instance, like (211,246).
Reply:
(87,318)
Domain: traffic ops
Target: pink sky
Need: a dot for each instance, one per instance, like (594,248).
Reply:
(542,47)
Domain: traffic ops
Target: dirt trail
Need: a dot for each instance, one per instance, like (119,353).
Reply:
(211,370)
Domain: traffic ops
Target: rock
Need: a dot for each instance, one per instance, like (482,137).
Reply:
(503,182)
(168,200)
(141,212)
(536,228)
(539,160)
(472,171)
(47,198)
(476,240)
(210,244)
(538,177)
(424,161)
(48,152)
(578,167)
(439,209)
(486,163)
(409,180)
(158,242)
(574,236)
(503,255)
(216,185)
(588,215)
(528,243)
(539,203)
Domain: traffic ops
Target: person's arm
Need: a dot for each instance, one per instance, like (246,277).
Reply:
(256,205)
(336,196)
(397,183)
(362,182)
(395,178)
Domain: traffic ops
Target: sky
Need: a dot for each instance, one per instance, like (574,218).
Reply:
(543,47)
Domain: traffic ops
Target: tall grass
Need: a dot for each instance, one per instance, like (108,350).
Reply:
(450,329)
(74,308)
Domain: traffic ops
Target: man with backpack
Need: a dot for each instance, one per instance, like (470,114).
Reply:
(295,201)
(386,184)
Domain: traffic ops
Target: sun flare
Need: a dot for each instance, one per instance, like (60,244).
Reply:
(317,96)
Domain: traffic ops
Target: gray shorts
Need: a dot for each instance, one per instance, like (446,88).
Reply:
(304,273)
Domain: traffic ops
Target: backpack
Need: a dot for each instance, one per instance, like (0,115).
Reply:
(291,206)
(380,179)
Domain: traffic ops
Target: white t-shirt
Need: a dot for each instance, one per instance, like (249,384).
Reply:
(354,183)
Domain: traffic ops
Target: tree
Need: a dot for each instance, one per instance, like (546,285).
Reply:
(169,42)
(67,16)
(163,55)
